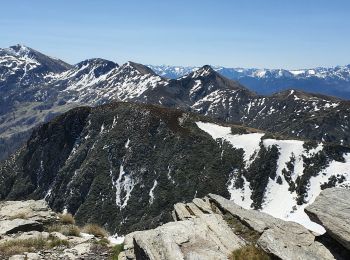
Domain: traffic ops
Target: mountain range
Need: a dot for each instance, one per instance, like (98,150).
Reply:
(35,88)
(328,81)
(118,145)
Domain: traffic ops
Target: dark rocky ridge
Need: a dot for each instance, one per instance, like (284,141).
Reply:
(124,165)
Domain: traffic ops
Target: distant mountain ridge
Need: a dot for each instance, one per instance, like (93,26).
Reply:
(330,81)
(52,90)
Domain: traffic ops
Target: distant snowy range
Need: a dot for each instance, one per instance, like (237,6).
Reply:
(329,81)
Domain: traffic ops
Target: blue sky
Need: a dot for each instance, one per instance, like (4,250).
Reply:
(249,33)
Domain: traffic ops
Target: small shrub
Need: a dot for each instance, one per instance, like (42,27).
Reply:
(95,230)
(55,242)
(67,219)
(103,242)
(54,228)
(67,230)
(236,130)
(249,253)
(116,250)
(71,230)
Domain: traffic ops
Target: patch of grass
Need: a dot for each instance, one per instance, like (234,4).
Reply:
(55,242)
(249,253)
(240,229)
(103,242)
(71,230)
(95,230)
(54,228)
(67,219)
(67,230)
(116,250)
(19,246)
(21,215)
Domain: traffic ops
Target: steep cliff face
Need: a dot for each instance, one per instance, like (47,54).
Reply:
(124,165)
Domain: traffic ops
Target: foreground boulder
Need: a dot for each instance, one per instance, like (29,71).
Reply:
(283,239)
(35,210)
(205,237)
(331,209)
(214,228)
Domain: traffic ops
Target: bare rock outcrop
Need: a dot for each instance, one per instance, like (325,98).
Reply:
(331,209)
(283,239)
(35,210)
(205,237)
(214,227)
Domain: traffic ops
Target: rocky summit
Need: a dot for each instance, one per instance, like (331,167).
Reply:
(217,228)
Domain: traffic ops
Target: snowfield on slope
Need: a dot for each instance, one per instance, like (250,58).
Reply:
(278,200)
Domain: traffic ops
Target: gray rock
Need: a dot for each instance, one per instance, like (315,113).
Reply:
(24,235)
(204,237)
(203,204)
(19,225)
(331,209)
(122,256)
(17,257)
(181,212)
(194,209)
(202,232)
(283,239)
(33,256)
(78,250)
(36,210)
(256,220)
(292,242)
(33,234)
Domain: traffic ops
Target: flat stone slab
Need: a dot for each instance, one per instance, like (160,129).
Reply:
(331,209)
(205,237)
(37,210)
(283,239)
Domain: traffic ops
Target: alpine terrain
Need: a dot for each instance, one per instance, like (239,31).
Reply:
(128,149)
(35,88)
(124,165)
